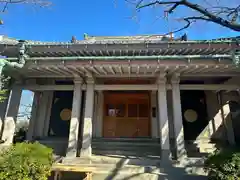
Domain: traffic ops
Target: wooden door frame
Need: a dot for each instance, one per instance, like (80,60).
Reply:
(148,93)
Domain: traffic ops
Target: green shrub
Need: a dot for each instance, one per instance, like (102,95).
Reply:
(224,164)
(26,161)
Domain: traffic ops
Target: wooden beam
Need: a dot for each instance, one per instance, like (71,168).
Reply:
(213,87)
(122,87)
(112,70)
(129,70)
(48,87)
(120,69)
(138,69)
(103,70)
(209,74)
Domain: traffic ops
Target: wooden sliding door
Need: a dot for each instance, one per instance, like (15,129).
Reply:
(126,114)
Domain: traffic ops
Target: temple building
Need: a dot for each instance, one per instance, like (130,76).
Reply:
(148,96)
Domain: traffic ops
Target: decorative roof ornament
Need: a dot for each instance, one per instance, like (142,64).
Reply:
(236,57)
(236,52)
(74,39)
(85,36)
(22,52)
(184,37)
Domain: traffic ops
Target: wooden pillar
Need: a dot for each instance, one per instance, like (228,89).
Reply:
(75,119)
(86,150)
(177,117)
(163,116)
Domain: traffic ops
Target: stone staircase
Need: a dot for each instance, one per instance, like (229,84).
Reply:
(133,159)
(135,168)
(138,147)
(199,148)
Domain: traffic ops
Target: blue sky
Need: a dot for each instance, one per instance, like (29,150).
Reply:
(95,17)
(66,18)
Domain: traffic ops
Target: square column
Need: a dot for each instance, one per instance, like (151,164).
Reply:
(95,115)
(32,121)
(163,116)
(86,150)
(99,114)
(154,119)
(177,117)
(75,119)
(11,114)
(226,116)
(48,113)
(3,109)
(41,114)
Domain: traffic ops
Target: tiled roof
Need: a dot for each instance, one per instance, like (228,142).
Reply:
(8,41)
(121,46)
(4,40)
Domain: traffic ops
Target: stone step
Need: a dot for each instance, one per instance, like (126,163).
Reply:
(140,140)
(149,154)
(132,176)
(126,146)
(114,161)
(149,176)
(122,165)
(124,168)
(192,170)
(207,145)
(146,161)
(126,143)
(200,148)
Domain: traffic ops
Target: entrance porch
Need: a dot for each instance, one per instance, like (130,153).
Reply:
(127,119)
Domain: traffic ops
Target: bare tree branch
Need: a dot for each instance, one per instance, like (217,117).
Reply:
(12,2)
(41,3)
(230,19)
(189,21)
